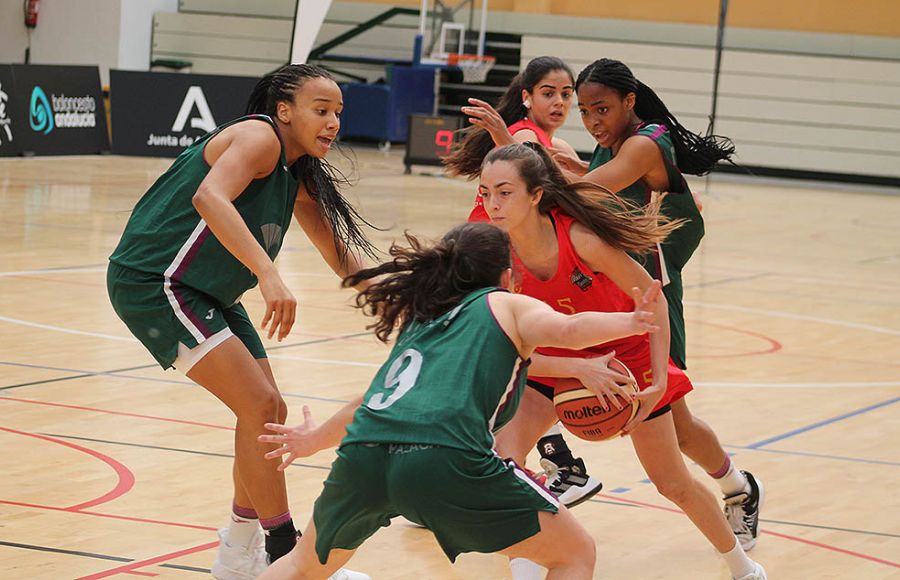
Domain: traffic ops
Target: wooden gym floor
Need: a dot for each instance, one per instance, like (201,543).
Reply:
(112,467)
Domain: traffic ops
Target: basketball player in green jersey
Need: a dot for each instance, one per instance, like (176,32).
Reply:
(420,443)
(207,231)
(642,148)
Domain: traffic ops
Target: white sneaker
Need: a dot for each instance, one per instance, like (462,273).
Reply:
(759,573)
(571,484)
(742,512)
(238,562)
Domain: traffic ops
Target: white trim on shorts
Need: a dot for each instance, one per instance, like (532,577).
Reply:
(663,272)
(167,284)
(188,357)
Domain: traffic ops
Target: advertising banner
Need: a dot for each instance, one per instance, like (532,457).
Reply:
(10,134)
(51,110)
(159,114)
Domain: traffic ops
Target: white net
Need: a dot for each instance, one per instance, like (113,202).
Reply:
(474,68)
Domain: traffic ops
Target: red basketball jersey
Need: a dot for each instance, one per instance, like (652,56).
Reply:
(576,288)
(478,213)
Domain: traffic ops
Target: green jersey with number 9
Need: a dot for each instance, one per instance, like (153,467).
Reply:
(450,381)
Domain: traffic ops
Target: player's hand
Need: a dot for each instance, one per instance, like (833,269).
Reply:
(648,398)
(281,306)
(482,114)
(296,441)
(645,305)
(571,164)
(595,374)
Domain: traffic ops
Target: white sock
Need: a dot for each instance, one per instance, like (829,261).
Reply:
(733,482)
(555,430)
(738,562)
(523,569)
(241,531)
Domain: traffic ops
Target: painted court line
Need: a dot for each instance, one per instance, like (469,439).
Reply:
(178,450)
(105,515)
(817,455)
(819,424)
(124,476)
(771,533)
(149,562)
(791,315)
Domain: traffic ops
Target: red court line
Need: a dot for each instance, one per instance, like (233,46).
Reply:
(777,534)
(125,476)
(123,413)
(774,345)
(111,516)
(133,573)
(148,562)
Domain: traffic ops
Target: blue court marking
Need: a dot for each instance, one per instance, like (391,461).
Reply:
(820,456)
(819,424)
(620,490)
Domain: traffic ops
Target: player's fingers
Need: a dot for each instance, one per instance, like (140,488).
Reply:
(284,464)
(307,414)
(275,454)
(267,317)
(288,324)
(277,427)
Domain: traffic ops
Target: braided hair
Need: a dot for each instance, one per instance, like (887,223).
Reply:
(422,282)
(695,154)
(476,142)
(320,178)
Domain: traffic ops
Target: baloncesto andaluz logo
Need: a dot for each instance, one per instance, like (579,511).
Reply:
(60,111)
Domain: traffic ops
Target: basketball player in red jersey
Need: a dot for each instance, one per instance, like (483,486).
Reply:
(572,252)
(642,148)
(534,106)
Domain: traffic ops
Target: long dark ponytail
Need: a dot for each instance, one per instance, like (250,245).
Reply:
(476,142)
(621,224)
(695,154)
(320,178)
(423,282)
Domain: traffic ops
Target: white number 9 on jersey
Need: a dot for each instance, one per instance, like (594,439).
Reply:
(400,381)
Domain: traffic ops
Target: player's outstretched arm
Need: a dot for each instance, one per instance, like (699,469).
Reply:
(539,325)
(307,438)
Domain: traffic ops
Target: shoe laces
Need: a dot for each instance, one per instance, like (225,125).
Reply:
(736,515)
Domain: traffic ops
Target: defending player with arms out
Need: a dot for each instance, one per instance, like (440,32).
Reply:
(642,148)
(420,443)
(207,231)
(534,106)
(572,243)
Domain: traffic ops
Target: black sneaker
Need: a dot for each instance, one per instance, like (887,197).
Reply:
(742,512)
(570,483)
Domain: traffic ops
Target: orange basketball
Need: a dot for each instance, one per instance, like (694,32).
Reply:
(583,415)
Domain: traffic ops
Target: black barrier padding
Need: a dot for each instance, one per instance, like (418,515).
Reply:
(159,114)
(53,110)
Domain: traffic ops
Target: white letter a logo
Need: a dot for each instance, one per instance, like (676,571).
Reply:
(205,121)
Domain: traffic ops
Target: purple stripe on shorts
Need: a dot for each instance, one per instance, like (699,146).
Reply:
(191,254)
(192,316)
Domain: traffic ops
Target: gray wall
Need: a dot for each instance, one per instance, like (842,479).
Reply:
(107,33)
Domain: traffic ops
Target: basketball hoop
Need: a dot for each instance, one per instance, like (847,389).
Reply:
(474,68)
